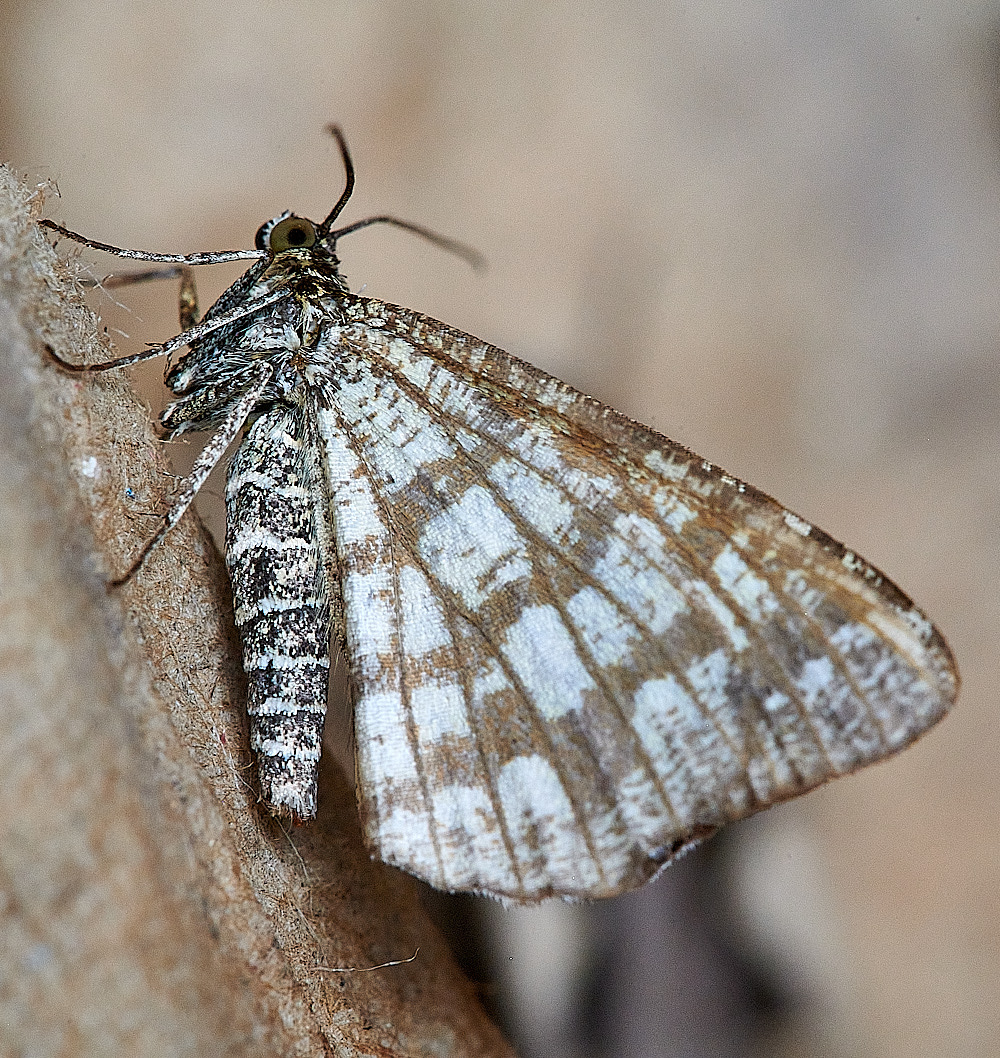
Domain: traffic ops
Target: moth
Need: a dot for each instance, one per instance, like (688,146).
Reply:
(575,648)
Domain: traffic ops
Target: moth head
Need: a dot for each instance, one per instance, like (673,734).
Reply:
(287,232)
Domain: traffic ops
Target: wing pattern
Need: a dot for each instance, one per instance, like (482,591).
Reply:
(575,647)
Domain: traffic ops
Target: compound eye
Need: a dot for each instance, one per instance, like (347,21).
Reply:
(293,233)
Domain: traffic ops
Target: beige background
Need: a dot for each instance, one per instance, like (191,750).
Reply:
(769,230)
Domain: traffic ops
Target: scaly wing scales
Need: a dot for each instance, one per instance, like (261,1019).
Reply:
(574,646)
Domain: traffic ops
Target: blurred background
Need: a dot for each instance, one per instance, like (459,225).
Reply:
(768,229)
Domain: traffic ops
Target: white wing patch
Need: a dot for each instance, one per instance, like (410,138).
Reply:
(540,650)
(472,548)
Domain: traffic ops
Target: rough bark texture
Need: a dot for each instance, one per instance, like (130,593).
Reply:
(149,905)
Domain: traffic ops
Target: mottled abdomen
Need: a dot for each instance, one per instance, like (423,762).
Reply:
(280,596)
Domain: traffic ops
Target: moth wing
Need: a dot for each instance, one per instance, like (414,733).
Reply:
(575,647)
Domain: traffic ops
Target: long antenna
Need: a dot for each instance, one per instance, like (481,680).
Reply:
(460,249)
(338,135)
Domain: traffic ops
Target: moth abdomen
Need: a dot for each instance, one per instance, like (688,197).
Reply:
(275,562)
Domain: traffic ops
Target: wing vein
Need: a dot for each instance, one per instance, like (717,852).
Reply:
(447,600)
(655,646)
(837,658)
(596,673)
(451,424)
(400,653)
(494,795)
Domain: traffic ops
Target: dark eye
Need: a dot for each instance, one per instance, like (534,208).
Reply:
(293,233)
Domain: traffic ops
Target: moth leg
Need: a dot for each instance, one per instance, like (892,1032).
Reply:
(188,311)
(203,466)
(187,305)
(125,279)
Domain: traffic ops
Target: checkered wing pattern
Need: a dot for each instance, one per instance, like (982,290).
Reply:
(575,647)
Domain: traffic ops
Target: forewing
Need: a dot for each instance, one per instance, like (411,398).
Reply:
(574,646)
